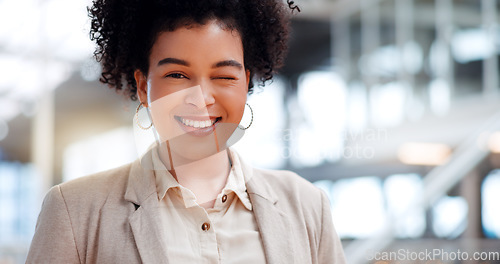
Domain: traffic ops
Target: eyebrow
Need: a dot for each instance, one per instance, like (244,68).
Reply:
(224,63)
(173,61)
(230,63)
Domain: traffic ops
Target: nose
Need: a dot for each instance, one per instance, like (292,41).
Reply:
(200,96)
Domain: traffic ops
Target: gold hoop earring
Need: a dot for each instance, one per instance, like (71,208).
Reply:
(251,120)
(137,118)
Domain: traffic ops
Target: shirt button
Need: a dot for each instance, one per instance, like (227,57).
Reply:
(224,198)
(205,226)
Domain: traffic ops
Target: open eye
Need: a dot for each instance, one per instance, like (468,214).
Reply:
(176,76)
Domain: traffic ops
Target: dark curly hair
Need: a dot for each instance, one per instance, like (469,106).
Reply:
(125,31)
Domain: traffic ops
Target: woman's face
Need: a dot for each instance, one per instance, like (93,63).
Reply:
(196,82)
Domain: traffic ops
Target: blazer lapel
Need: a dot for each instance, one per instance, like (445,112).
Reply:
(274,225)
(274,229)
(144,222)
(147,233)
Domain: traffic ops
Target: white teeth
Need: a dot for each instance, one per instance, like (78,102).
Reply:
(197,123)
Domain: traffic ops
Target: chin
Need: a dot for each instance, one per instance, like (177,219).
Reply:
(189,149)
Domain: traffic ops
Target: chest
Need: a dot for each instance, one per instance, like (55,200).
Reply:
(228,233)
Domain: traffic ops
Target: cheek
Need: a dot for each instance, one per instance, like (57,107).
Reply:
(156,91)
(235,106)
(162,121)
(162,108)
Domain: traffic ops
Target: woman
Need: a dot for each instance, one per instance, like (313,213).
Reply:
(190,199)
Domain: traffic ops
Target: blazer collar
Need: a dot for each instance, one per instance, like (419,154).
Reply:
(274,225)
(141,183)
(258,187)
(144,222)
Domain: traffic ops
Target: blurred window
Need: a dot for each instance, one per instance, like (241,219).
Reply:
(264,143)
(19,206)
(318,119)
(449,216)
(357,206)
(490,195)
(388,104)
(407,215)
(98,153)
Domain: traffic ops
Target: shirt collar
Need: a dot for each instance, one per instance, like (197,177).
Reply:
(164,180)
(236,181)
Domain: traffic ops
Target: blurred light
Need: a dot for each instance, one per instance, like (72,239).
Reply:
(413,57)
(40,45)
(387,104)
(20,204)
(66,29)
(42,75)
(440,96)
(472,45)
(382,62)
(403,194)
(388,61)
(430,154)
(416,108)
(19,91)
(358,207)
(322,99)
(11,67)
(52,28)
(4,129)
(264,142)
(438,58)
(494,142)
(490,195)
(357,107)
(29,107)
(90,70)
(21,28)
(326,186)
(449,217)
(81,158)
(9,108)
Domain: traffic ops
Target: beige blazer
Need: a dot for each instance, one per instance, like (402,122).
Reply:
(112,217)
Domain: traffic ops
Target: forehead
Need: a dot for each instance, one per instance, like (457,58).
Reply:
(208,41)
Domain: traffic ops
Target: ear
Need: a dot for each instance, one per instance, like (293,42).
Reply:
(247,73)
(142,87)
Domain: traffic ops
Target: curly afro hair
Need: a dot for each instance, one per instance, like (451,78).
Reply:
(125,31)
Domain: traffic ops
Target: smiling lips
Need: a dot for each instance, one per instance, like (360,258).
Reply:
(199,126)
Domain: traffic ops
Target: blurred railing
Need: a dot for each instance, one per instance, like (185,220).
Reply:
(437,183)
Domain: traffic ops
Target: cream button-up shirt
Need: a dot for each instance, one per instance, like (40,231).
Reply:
(226,233)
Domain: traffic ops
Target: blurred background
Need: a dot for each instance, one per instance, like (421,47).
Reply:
(392,107)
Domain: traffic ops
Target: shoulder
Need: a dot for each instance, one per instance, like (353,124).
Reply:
(74,213)
(94,188)
(278,184)
(86,199)
(98,182)
(283,178)
(289,186)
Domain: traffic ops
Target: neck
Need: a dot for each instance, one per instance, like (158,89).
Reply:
(205,177)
